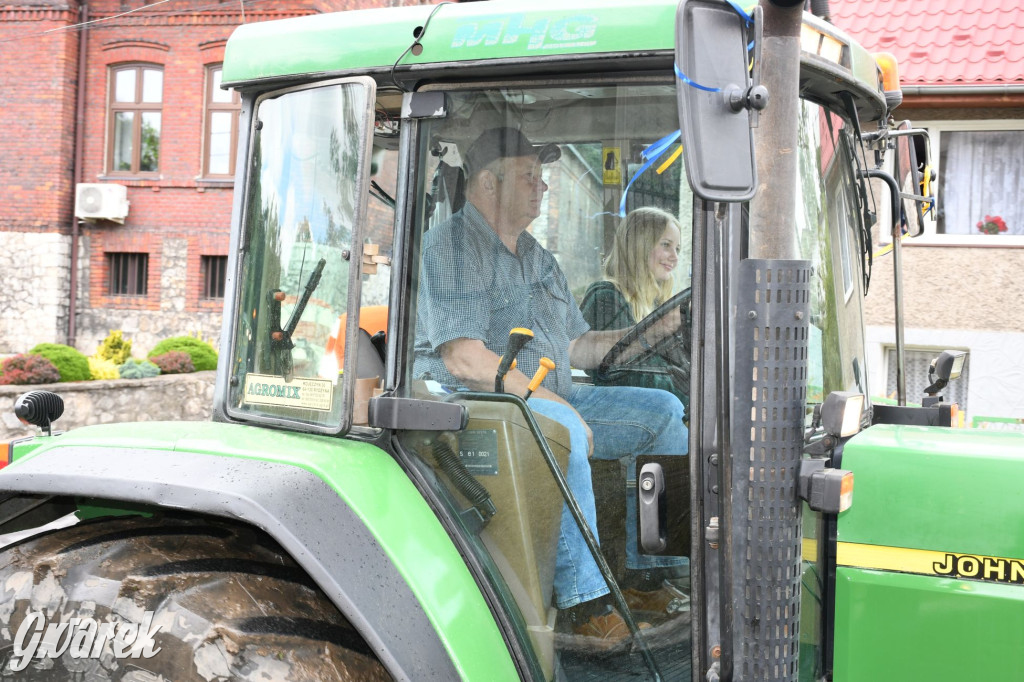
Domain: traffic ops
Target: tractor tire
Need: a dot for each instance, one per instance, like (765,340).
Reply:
(192,599)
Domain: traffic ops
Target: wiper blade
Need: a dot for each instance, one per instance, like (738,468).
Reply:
(281,339)
(377,192)
(311,285)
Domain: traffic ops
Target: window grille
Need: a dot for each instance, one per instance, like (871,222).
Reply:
(214,273)
(127,274)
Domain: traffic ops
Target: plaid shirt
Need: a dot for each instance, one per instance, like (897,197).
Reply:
(472,287)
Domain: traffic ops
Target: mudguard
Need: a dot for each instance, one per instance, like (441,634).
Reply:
(930,557)
(342,509)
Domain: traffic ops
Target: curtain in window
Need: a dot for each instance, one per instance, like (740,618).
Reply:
(916,372)
(982,175)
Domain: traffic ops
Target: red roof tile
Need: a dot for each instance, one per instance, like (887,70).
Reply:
(941,42)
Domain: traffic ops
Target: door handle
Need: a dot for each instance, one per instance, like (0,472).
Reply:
(651,505)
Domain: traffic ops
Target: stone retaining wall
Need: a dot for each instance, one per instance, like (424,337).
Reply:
(170,397)
(35,275)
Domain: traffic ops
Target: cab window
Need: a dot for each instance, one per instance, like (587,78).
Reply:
(586,175)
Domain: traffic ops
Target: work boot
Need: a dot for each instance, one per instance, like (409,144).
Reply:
(598,622)
(606,631)
(667,599)
(664,591)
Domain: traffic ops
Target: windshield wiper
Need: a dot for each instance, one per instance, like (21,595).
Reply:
(281,339)
(378,193)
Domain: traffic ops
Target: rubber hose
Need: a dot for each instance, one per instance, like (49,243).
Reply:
(459,475)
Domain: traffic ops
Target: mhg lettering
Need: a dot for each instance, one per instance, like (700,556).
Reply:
(540,33)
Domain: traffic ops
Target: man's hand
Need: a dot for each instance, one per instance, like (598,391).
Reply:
(590,436)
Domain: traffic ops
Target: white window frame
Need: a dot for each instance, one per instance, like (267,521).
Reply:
(208,110)
(930,237)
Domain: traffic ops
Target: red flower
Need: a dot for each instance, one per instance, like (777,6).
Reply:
(992,224)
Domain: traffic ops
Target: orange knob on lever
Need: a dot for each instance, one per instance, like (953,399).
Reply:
(546,365)
(517,338)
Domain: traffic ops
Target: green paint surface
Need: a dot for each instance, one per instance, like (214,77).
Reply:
(376,489)
(924,487)
(945,490)
(376,39)
(894,626)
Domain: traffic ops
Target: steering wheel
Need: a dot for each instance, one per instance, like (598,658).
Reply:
(674,348)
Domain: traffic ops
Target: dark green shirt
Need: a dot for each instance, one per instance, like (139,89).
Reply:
(604,307)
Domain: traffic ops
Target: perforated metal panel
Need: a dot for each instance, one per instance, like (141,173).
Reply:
(770,393)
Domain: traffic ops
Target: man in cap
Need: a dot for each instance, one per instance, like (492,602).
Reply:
(484,274)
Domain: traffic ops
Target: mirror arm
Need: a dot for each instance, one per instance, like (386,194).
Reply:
(897,271)
(910,131)
(894,190)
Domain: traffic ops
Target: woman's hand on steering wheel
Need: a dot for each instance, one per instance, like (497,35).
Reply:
(670,323)
(664,333)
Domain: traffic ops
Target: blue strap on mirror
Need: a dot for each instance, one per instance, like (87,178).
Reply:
(653,152)
(740,11)
(686,79)
(650,155)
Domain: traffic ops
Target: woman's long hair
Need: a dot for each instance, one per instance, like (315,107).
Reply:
(627,266)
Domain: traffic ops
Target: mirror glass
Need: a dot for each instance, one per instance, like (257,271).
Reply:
(712,59)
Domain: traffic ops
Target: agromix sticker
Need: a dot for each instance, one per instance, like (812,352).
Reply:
(303,393)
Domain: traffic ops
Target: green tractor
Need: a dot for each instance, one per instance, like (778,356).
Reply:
(349,515)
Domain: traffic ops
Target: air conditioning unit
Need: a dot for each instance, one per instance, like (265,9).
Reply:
(101,201)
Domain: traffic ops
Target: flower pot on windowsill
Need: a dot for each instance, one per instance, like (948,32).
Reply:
(992,224)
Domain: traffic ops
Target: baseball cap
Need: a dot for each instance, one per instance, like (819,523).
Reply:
(497,143)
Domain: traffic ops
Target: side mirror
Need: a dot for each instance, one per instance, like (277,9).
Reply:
(913,175)
(716,95)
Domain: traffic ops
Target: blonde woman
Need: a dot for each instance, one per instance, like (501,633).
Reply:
(639,277)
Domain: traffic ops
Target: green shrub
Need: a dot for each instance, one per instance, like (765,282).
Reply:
(101,368)
(138,369)
(72,365)
(174,362)
(28,369)
(114,348)
(203,355)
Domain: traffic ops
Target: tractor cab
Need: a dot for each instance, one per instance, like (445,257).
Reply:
(349,178)
(314,238)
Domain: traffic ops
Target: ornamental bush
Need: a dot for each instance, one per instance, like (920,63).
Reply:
(28,369)
(138,369)
(174,362)
(115,348)
(72,365)
(203,355)
(101,368)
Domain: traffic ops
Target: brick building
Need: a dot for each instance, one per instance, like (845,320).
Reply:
(115,94)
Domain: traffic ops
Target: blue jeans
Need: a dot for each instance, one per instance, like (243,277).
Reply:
(626,421)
